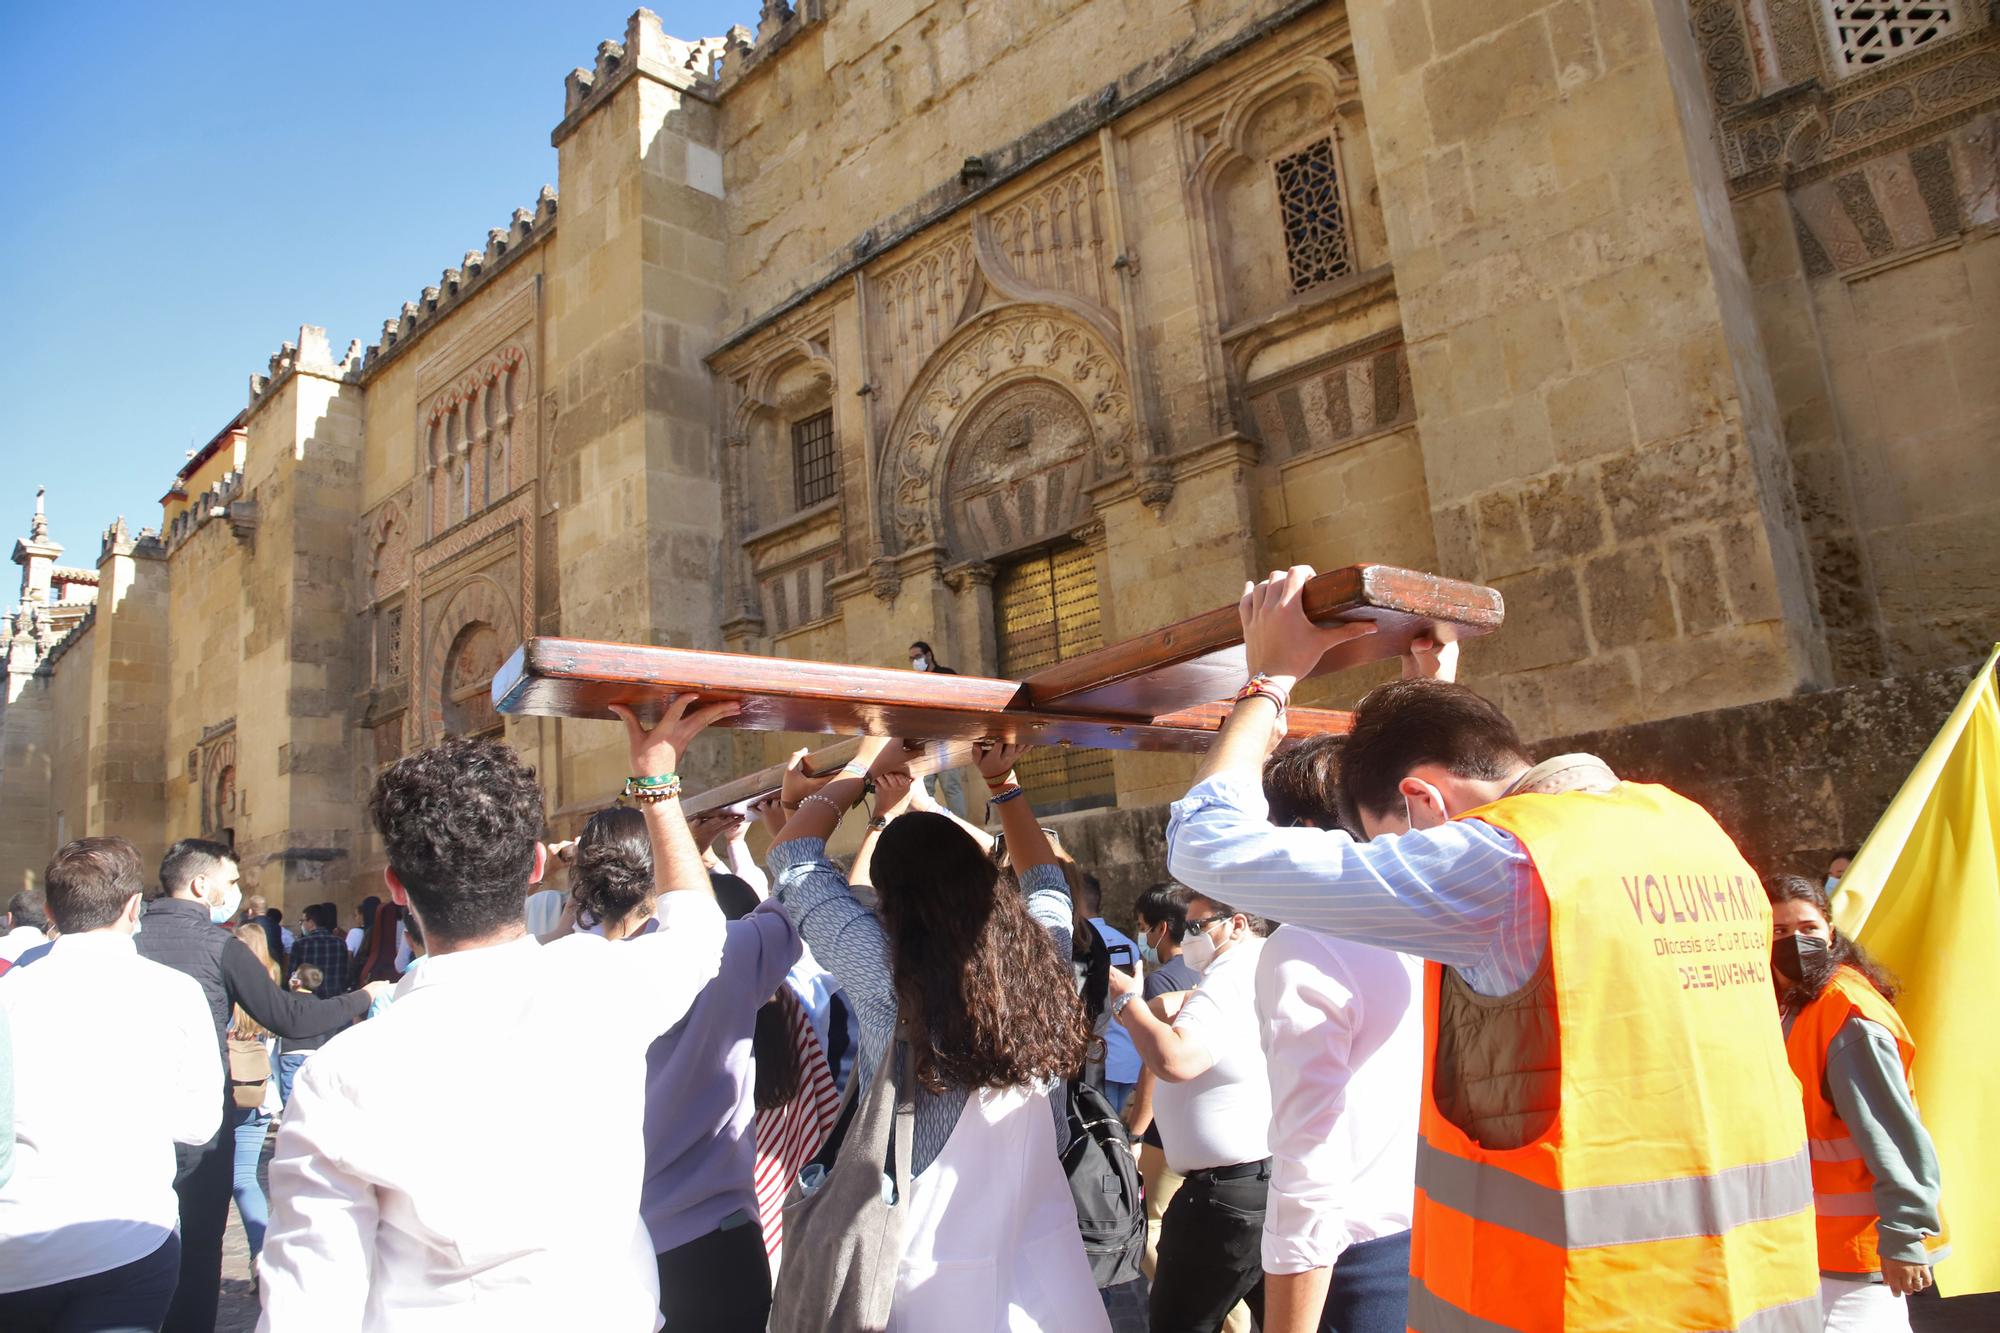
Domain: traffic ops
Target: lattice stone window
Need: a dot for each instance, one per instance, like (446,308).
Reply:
(1866,33)
(392,642)
(813,459)
(1315,227)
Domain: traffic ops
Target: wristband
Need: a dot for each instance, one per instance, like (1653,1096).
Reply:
(1011,794)
(649,791)
(878,823)
(1262,684)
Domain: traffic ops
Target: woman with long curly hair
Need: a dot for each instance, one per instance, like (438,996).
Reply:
(1875,1172)
(976,974)
(703,1082)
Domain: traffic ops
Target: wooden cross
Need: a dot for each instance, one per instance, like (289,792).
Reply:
(1158,691)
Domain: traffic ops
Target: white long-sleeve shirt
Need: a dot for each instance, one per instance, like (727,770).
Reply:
(114,1062)
(1342,1026)
(401,1198)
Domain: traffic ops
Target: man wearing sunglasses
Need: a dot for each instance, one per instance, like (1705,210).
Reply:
(1212,1101)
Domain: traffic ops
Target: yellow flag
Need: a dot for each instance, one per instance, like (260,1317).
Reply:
(1923,896)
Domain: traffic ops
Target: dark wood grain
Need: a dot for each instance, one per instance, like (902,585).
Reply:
(1200,659)
(1188,731)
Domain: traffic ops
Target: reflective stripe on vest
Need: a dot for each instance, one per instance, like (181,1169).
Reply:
(1431,1313)
(1834,1150)
(1616,1214)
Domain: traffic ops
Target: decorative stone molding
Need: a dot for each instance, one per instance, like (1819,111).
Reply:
(1347,395)
(970,574)
(885,580)
(1901,202)
(998,348)
(1790,109)
(478,606)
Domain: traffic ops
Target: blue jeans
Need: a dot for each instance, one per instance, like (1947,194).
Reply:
(1371,1287)
(1118,1094)
(288,1069)
(251,1205)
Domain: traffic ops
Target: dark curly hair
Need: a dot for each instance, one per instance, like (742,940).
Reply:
(613,873)
(461,820)
(988,1001)
(1842,950)
(1302,785)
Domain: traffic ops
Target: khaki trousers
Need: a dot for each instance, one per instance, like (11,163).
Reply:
(1162,1183)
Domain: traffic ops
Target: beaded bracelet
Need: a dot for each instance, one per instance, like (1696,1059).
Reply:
(650,790)
(838,808)
(1011,794)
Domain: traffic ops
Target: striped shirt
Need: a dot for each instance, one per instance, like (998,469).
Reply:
(789,1135)
(1462,895)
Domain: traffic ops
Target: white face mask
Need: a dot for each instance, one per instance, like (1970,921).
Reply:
(222,912)
(1198,950)
(920,664)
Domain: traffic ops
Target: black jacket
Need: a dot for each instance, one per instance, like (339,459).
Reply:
(177,932)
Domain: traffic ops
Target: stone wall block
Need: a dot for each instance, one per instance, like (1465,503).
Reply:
(1693,479)
(1457,537)
(1564,514)
(1746,569)
(1698,585)
(1629,598)
(1503,537)
(1544,624)
(1589,414)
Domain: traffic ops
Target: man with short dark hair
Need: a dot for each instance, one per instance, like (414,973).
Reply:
(198,890)
(1599,974)
(392,1206)
(27,924)
(114,1065)
(1121,1058)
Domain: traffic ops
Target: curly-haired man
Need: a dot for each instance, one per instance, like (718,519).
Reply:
(399,1195)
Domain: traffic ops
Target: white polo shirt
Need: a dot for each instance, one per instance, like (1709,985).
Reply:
(1222,1118)
(1343,1032)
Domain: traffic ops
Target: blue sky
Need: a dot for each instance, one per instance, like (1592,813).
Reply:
(187,184)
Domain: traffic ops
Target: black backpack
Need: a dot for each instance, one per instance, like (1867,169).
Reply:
(1103,1173)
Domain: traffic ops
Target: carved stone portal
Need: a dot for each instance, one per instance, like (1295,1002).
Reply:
(1017,471)
(1021,391)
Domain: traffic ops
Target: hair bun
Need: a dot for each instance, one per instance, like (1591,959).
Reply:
(610,879)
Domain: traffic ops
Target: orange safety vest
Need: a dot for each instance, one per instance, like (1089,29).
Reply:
(1672,1190)
(1843,1186)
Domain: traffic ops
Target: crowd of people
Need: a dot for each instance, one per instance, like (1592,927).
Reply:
(1533,1048)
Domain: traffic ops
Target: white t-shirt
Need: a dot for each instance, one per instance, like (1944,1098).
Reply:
(1343,1032)
(115,1061)
(387,1211)
(1223,1117)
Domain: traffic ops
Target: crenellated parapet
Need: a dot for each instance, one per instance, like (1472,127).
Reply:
(312,354)
(701,65)
(454,285)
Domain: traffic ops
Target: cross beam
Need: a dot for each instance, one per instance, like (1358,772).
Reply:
(1154,692)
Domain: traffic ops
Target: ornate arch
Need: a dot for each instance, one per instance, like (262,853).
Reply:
(477,601)
(996,351)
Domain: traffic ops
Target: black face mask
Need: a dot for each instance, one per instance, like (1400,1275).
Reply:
(1804,962)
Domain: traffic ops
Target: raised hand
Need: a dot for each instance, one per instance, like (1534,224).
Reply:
(996,763)
(1429,659)
(657,751)
(893,792)
(1278,640)
(715,824)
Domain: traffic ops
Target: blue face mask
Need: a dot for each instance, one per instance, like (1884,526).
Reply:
(1832,883)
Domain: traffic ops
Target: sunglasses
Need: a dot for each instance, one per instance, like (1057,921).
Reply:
(1204,922)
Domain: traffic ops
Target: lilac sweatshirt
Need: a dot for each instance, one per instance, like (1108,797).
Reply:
(701,1138)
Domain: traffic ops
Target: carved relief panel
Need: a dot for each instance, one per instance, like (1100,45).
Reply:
(478,430)
(1345,396)
(1025,390)
(1017,471)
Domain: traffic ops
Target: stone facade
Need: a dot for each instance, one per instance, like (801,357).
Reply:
(1673,322)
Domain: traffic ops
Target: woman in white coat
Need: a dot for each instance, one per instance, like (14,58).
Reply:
(990,1240)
